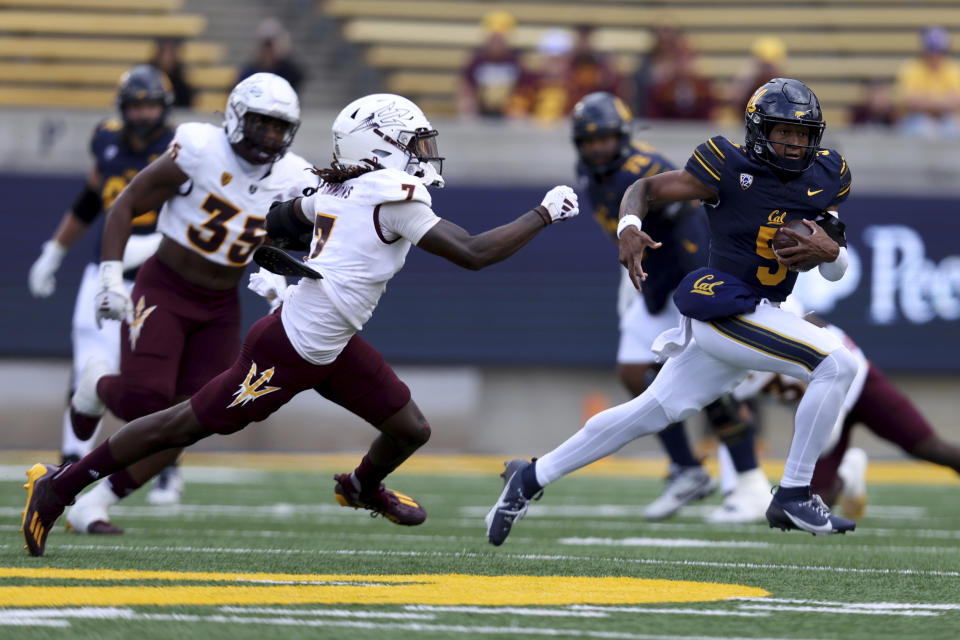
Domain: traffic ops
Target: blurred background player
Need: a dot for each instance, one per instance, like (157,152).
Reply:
(874,402)
(609,162)
(385,159)
(185,328)
(120,149)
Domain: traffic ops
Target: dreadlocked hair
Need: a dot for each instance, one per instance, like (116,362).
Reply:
(336,174)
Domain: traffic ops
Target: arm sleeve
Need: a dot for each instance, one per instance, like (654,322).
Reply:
(706,163)
(408,219)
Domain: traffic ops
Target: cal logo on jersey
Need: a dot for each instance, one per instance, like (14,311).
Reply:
(704,287)
(745,181)
(251,389)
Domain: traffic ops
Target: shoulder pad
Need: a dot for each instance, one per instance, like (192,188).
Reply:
(393,185)
(110,124)
(189,148)
(106,132)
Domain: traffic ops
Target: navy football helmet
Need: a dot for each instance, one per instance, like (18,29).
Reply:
(602,113)
(783,101)
(144,83)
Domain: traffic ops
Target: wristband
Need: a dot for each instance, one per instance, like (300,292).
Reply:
(111,274)
(628,221)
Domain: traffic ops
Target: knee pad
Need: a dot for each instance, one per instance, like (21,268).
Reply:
(724,416)
(846,365)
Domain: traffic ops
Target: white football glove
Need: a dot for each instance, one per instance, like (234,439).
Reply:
(113,301)
(561,202)
(41,281)
(268,285)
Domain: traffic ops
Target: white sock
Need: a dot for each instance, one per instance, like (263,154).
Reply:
(602,435)
(816,415)
(101,494)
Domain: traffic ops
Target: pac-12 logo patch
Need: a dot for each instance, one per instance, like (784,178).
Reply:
(225,179)
(746,180)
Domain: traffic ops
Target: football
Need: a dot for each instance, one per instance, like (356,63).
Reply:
(782,240)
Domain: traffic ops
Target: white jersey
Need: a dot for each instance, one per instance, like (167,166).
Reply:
(220,211)
(363,230)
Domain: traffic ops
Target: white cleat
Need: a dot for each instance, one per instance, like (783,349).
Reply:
(85,400)
(747,502)
(684,486)
(167,488)
(853,472)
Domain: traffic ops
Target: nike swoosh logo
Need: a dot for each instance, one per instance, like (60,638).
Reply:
(812,528)
(811,192)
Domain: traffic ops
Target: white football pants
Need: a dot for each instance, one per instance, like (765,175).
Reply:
(713,362)
(88,341)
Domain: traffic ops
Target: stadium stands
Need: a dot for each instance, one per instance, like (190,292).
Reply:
(420,45)
(70,53)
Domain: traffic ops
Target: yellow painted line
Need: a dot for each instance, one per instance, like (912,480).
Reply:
(441,589)
(879,472)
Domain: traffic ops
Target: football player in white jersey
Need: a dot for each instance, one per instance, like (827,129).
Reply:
(371,207)
(182,324)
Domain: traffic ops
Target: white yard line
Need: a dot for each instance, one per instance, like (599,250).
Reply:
(537,557)
(842,610)
(415,627)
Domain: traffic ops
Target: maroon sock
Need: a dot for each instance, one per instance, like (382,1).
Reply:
(370,475)
(83,426)
(123,483)
(71,480)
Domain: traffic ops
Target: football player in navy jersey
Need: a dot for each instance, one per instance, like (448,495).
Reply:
(609,162)
(120,149)
(732,322)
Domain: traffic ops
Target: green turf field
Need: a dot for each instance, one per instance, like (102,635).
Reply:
(259,549)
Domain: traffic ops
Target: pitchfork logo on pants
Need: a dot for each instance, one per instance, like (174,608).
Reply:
(251,389)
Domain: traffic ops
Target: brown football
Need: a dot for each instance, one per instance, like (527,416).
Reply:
(782,240)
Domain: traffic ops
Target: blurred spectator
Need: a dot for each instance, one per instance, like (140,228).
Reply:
(928,89)
(681,93)
(768,55)
(272,54)
(545,96)
(590,69)
(166,58)
(493,72)
(656,65)
(875,107)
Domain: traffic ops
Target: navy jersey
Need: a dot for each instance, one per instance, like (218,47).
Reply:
(117,164)
(753,202)
(683,229)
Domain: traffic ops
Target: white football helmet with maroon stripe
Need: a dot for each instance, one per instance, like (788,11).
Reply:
(386,130)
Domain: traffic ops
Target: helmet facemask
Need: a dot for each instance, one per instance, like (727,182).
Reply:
(260,144)
(142,127)
(763,148)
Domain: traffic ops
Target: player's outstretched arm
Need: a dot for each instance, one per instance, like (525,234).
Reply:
(73,225)
(455,243)
(638,199)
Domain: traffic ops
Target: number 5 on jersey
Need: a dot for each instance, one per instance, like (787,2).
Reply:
(322,229)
